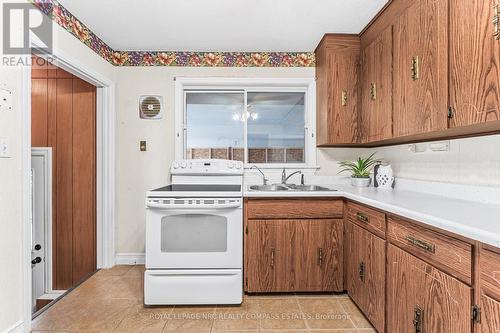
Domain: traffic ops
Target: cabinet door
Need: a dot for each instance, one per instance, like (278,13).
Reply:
(376,88)
(366,273)
(423,297)
(420,68)
(474,63)
(269,255)
(490,321)
(344,77)
(319,259)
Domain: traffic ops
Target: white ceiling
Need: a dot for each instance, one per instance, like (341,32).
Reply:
(221,25)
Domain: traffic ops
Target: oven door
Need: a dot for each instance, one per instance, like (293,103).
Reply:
(194,233)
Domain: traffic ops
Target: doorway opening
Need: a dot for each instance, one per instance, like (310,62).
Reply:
(63,178)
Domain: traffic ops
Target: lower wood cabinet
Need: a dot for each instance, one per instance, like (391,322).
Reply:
(490,321)
(422,298)
(292,255)
(365,276)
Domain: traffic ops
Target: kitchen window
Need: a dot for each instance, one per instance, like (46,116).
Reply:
(267,125)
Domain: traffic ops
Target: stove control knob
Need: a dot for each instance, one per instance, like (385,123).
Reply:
(175,165)
(183,165)
(238,166)
(230,165)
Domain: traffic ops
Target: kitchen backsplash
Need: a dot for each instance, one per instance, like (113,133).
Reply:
(469,161)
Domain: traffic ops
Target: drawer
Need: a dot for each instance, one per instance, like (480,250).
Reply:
(299,208)
(490,273)
(368,218)
(451,255)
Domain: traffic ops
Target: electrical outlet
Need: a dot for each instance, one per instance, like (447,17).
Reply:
(4,148)
(5,100)
(142,145)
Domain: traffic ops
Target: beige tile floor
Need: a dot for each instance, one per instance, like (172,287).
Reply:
(112,301)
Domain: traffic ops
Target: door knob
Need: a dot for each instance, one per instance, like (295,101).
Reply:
(38,247)
(36,260)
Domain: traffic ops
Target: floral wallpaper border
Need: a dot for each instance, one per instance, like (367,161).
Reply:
(70,23)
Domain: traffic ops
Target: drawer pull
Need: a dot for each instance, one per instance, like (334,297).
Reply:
(421,244)
(362,271)
(272,258)
(418,320)
(320,256)
(362,218)
(496,22)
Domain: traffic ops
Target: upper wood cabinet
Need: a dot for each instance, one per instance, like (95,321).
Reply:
(421,298)
(337,70)
(420,68)
(376,88)
(474,62)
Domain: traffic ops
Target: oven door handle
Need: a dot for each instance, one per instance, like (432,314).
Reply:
(188,206)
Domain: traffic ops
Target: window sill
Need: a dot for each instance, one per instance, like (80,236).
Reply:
(269,166)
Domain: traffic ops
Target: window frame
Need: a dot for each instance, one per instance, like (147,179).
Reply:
(184,85)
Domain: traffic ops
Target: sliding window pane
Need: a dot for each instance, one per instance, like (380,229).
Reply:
(276,127)
(215,125)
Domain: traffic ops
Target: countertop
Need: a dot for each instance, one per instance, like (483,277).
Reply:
(471,219)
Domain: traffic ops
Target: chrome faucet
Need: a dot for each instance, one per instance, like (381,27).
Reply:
(284,177)
(264,179)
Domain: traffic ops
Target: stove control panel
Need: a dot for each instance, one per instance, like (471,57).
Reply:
(207,166)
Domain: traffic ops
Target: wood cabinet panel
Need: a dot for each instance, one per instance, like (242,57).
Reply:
(319,247)
(490,273)
(474,63)
(298,208)
(376,88)
(337,72)
(421,95)
(269,255)
(370,219)
(447,253)
(365,265)
(294,255)
(444,302)
(490,322)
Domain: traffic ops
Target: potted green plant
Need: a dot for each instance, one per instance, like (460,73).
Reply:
(359,169)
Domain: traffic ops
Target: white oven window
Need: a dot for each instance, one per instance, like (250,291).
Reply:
(194,233)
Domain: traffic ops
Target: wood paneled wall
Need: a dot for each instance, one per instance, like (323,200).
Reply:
(64,118)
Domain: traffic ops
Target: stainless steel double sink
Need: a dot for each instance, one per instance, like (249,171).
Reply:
(289,187)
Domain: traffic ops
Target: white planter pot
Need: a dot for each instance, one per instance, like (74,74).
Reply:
(360,182)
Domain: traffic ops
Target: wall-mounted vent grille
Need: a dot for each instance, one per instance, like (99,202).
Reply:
(150,107)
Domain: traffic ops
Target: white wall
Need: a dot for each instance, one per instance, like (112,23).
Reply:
(138,171)
(473,161)
(11,222)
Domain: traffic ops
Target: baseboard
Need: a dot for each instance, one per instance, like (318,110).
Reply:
(16,328)
(129,259)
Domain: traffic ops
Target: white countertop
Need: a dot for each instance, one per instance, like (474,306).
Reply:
(476,220)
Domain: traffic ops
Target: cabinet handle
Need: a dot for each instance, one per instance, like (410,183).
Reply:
(415,68)
(343,98)
(320,256)
(421,244)
(496,22)
(373,91)
(272,258)
(362,218)
(362,271)
(418,320)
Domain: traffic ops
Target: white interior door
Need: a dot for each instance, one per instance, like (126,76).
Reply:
(41,184)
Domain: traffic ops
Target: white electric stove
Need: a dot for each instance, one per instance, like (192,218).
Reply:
(194,235)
